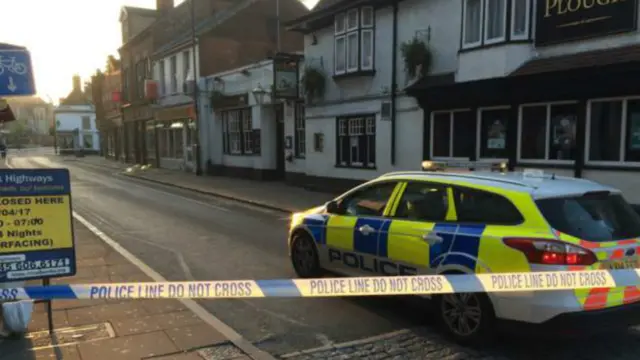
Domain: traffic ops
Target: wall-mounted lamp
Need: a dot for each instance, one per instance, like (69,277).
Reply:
(258,94)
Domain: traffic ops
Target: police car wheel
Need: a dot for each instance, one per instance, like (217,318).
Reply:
(304,257)
(467,317)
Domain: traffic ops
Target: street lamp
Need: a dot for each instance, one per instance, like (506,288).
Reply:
(258,94)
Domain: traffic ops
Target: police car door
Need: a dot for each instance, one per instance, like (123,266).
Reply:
(418,217)
(356,232)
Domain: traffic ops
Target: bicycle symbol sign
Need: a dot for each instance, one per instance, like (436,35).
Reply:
(9,63)
(16,72)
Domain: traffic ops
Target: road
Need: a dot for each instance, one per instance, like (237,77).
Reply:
(188,236)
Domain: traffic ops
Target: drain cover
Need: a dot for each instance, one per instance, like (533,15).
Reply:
(220,352)
(70,336)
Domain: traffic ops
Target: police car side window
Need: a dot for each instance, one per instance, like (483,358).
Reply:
(423,202)
(370,201)
(484,207)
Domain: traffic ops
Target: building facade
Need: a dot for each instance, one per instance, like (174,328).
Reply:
(541,84)
(538,83)
(113,129)
(75,121)
(36,117)
(135,55)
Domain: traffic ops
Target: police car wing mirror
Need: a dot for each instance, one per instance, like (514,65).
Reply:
(332,207)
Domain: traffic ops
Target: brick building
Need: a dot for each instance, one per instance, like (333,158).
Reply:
(137,46)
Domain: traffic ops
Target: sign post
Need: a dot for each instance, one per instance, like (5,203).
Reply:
(16,75)
(36,227)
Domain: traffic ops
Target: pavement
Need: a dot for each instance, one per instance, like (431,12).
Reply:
(185,234)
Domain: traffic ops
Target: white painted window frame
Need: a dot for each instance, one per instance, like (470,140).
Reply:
(346,32)
(451,113)
(486,19)
(367,30)
(546,159)
(468,45)
(479,130)
(527,24)
(623,141)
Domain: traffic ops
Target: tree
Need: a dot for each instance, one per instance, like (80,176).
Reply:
(113,64)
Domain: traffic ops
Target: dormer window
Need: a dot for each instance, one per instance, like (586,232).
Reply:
(354,41)
(488,22)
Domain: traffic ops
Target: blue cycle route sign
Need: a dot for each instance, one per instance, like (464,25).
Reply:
(36,227)
(16,74)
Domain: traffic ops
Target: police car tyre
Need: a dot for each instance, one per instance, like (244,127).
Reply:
(468,318)
(304,256)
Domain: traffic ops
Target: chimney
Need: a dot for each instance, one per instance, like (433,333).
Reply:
(163,6)
(77,84)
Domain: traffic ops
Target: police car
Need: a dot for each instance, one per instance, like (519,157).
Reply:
(480,220)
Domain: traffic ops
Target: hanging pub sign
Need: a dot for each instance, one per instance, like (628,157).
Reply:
(285,76)
(559,21)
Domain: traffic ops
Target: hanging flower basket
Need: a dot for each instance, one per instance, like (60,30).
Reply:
(313,83)
(417,57)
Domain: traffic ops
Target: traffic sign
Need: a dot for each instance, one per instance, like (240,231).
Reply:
(16,75)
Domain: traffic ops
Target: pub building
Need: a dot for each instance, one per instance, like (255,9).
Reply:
(554,86)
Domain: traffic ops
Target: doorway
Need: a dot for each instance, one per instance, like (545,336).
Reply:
(280,160)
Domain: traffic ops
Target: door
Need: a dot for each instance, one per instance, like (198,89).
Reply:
(280,156)
(356,232)
(417,236)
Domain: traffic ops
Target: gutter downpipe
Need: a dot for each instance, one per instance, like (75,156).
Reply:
(394,84)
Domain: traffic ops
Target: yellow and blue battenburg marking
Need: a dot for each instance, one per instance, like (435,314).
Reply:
(460,245)
(335,287)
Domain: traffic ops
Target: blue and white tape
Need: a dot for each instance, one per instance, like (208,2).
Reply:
(330,287)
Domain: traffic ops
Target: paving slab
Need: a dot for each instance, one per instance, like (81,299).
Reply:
(106,312)
(195,336)
(134,347)
(179,319)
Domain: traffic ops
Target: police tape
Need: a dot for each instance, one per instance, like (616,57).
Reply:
(335,287)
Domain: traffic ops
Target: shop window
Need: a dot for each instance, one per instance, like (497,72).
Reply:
(548,132)
(150,141)
(493,133)
(88,141)
(452,134)
(354,40)
(173,63)
(487,22)
(300,129)
(356,142)
(239,137)
(613,131)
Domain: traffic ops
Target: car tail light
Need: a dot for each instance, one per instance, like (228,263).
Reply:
(550,252)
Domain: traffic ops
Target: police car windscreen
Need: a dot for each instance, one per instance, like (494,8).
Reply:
(594,217)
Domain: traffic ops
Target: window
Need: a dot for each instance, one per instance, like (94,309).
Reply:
(354,40)
(520,15)
(300,137)
(443,127)
(141,75)
(186,64)
(125,85)
(239,137)
(423,202)
(598,217)
(487,22)
(471,207)
(370,201)
(613,131)
(171,139)
(493,133)
(163,80)
(548,132)
(86,123)
(356,142)
(87,141)
(150,141)
(174,74)
(494,21)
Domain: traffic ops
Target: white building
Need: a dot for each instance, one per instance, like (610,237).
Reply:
(175,127)
(239,113)
(531,82)
(75,121)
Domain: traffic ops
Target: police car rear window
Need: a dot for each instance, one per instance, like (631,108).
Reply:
(598,217)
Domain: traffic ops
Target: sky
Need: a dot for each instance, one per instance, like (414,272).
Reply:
(67,37)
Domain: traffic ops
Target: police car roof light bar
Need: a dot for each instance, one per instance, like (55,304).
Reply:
(464,166)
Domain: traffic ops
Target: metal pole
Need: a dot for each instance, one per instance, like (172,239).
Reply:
(196,92)
(278,23)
